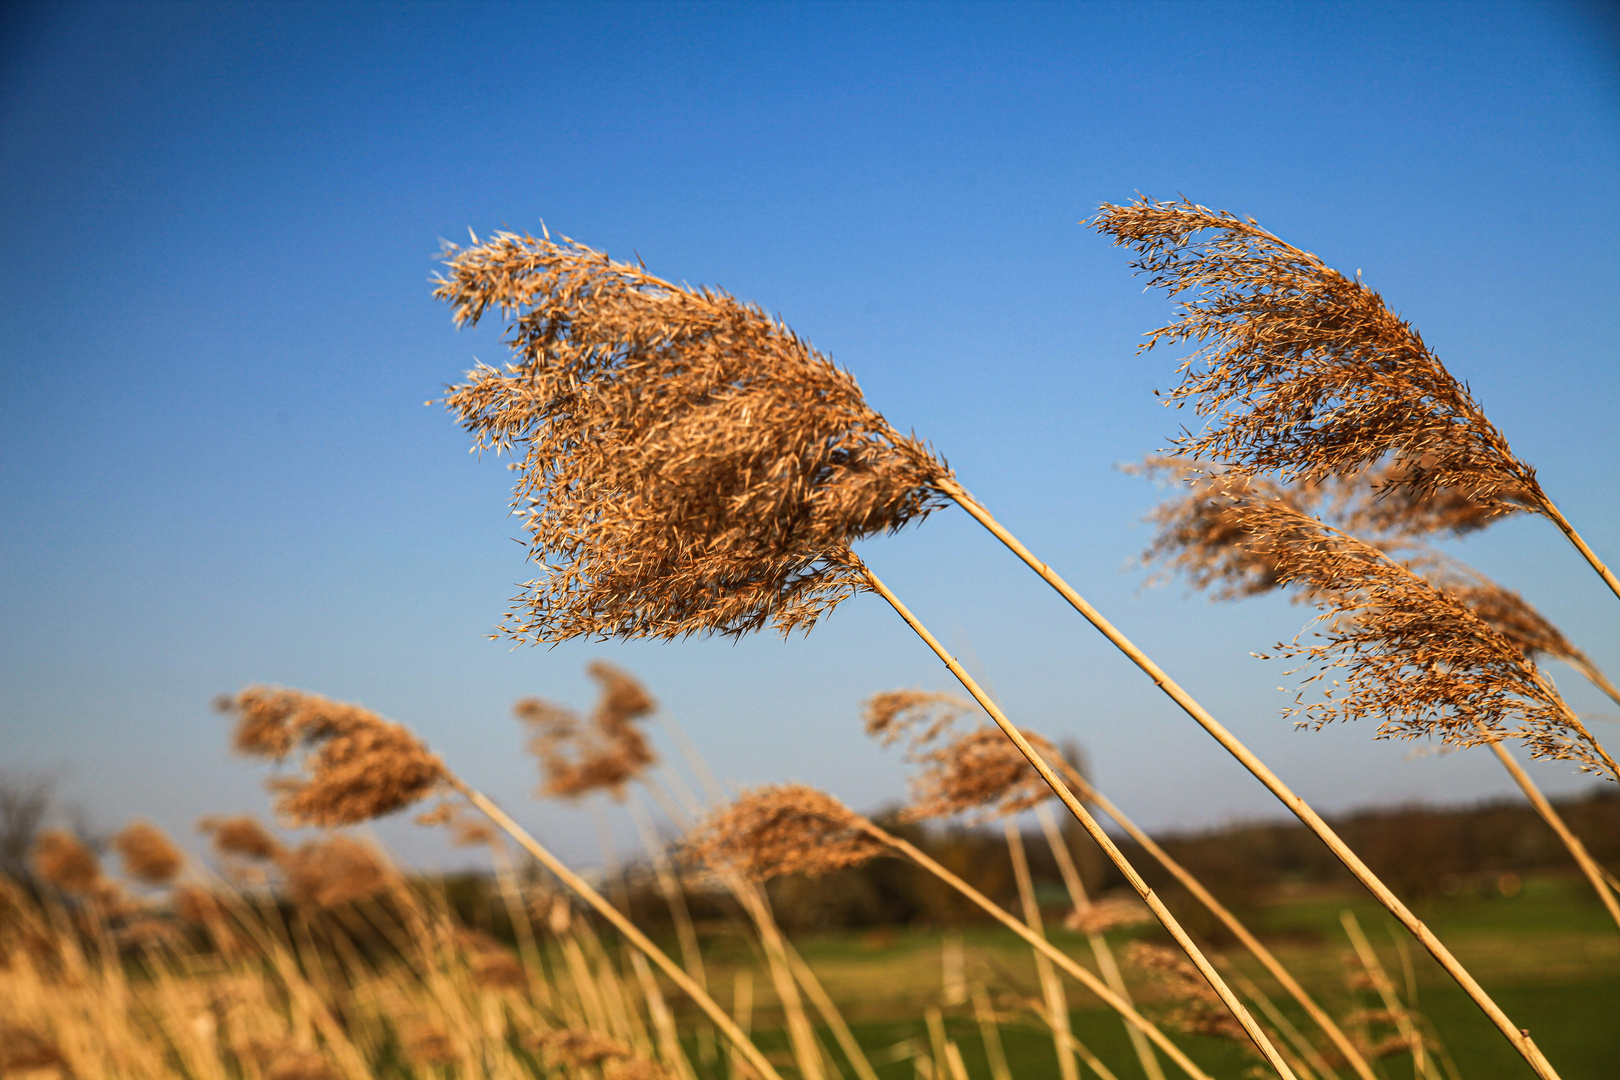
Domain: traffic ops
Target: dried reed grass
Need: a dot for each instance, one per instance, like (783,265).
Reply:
(243,836)
(357,765)
(783,829)
(1304,373)
(1193,1006)
(981,775)
(333,871)
(687,464)
(606,752)
(62,861)
(1412,653)
(147,854)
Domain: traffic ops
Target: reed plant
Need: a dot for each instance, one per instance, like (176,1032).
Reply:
(689,465)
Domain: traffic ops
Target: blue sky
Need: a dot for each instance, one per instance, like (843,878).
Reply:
(220,222)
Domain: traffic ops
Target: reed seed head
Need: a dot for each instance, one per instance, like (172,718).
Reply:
(982,774)
(1110,913)
(686,463)
(1303,372)
(357,765)
(61,860)
(1409,652)
(1189,1003)
(1202,536)
(783,829)
(147,853)
(337,870)
(607,752)
(242,835)
(918,715)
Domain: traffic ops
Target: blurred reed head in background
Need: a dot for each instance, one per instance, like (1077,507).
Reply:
(147,853)
(783,829)
(686,464)
(578,756)
(356,765)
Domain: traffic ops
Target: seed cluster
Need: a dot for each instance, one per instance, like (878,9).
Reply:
(686,464)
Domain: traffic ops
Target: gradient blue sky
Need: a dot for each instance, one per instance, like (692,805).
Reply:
(219,223)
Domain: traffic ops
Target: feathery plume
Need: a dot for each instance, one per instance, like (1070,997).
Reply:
(606,753)
(920,715)
(1410,652)
(147,853)
(358,766)
(1202,536)
(63,861)
(1303,371)
(337,870)
(687,463)
(243,836)
(982,774)
(1191,1006)
(1109,913)
(783,829)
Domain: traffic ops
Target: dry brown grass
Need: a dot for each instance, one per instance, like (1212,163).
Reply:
(686,463)
(605,752)
(1397,647)
(356,765)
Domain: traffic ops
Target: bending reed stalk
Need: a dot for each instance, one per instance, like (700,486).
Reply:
(583,890)
(1102,839)
(1341,1041)
(1040,944)
(1099,944)
(1589,866)
(1301,809)
(1057,1006)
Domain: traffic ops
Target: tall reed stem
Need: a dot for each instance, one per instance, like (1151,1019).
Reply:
(1589,866)
(1557,518)
(1052,952)
(1102,839)
(583,890)
(1340,1040)
(1301,809)
(1057,1005)
(1099,944)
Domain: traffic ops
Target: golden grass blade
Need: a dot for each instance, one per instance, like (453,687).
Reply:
(990,1033)
(1057,1006)
(1386,991)
(1342,1042)
(1102,839)
(1298,806)
(1099,944)
(583,890)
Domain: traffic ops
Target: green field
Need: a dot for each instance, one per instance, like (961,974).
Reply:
(1549,955)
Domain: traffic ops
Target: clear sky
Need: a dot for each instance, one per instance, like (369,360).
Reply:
(219,223)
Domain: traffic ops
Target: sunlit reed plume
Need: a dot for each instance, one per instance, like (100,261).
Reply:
(1109,913)
(1189,1004)
(783,829)
(919,716)
(1305,373)
(242,836)
(686,463)
(336,870)
(605,753)
(356,765)
(1411,653)
(61,860)
(983,775)
(147,854)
